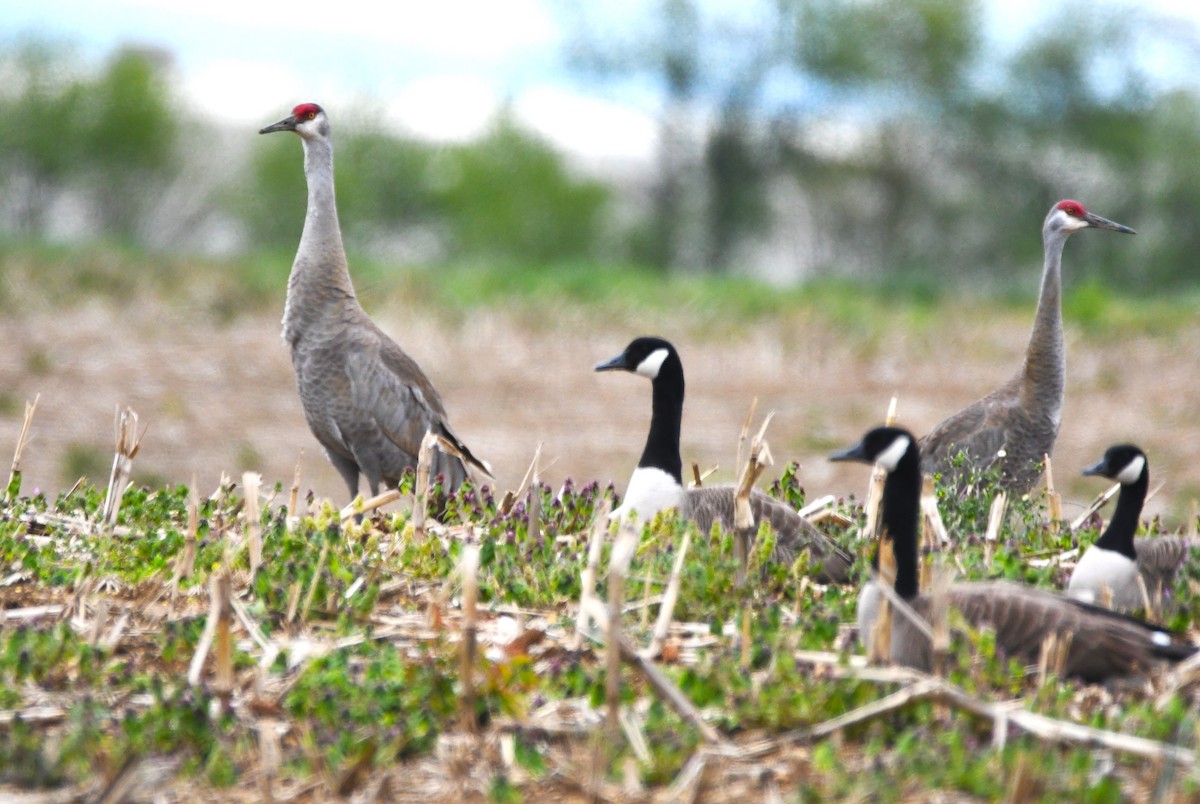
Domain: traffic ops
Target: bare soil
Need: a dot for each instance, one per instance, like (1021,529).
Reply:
(218,398)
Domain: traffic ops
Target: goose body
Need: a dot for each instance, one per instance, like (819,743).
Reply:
(1103,644)
(1116,559)
(367,402)
(657,482)
(1015,426)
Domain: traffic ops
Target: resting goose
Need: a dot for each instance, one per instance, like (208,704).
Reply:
(657,482)
(1103,644)
(1115,559)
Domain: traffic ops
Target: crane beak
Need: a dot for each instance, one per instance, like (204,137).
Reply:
(1096,222)
(618,363)
(286,124)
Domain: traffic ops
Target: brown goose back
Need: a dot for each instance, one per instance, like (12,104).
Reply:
(793,533)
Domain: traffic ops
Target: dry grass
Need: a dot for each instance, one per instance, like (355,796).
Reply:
(220,398)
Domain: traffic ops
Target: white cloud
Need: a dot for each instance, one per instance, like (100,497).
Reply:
(243,92)
(588,126)
(443,107)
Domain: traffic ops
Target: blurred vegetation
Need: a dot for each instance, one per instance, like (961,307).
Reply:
(886,141)
(507,196)
(912,145)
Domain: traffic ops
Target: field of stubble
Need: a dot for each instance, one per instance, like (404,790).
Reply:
(218,397)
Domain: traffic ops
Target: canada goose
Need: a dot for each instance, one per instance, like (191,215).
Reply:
(1018,422)
(1115,559)
(1103,644)
(657,482)
(367,402)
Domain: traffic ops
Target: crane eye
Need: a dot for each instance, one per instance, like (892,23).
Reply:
(311,115)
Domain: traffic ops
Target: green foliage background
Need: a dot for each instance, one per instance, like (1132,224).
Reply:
(918,150)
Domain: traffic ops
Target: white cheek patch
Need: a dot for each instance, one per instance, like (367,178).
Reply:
(652,363)
(1069,222)
(889,459)
(1132,472)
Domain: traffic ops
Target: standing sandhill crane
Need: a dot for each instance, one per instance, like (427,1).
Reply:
(1018,422)
(1101,644)
(367,402)
(657,482)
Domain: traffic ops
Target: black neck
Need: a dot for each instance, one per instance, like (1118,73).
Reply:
(662,444)
(899,519)
(1118,535)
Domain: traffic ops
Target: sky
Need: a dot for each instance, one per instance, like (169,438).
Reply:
(437,69)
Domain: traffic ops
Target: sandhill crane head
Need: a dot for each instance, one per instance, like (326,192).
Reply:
(308,120)
(1070,216)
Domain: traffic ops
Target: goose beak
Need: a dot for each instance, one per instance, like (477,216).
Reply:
(1096,222)
(1097,469)
(286,124)
(856,453)
(618,363)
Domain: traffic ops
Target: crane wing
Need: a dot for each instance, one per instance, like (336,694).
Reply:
(390,387)
(979,430)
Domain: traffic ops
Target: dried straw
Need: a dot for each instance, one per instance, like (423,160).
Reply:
(292,515)
(1053,498)
(875,488)
(421,489)
(667,611)
(13,489)
(618,569)
(128,442)
(468,569)
(587,579)
(251,481)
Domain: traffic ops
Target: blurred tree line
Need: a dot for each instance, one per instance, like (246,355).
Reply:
(886,139)
(890,139)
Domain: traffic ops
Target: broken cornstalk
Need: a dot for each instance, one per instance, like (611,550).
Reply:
(13,489)
(128,442)
(421,488)
(875,488)
(1053,498)
(469,573)
(618,568)
(587,579)
(743,515)
(250,485)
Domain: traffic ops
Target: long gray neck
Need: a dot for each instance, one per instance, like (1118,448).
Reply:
(1045,357)
(320,278)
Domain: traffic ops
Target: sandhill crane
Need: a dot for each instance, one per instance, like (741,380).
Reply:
(1017,423)
(367,402)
